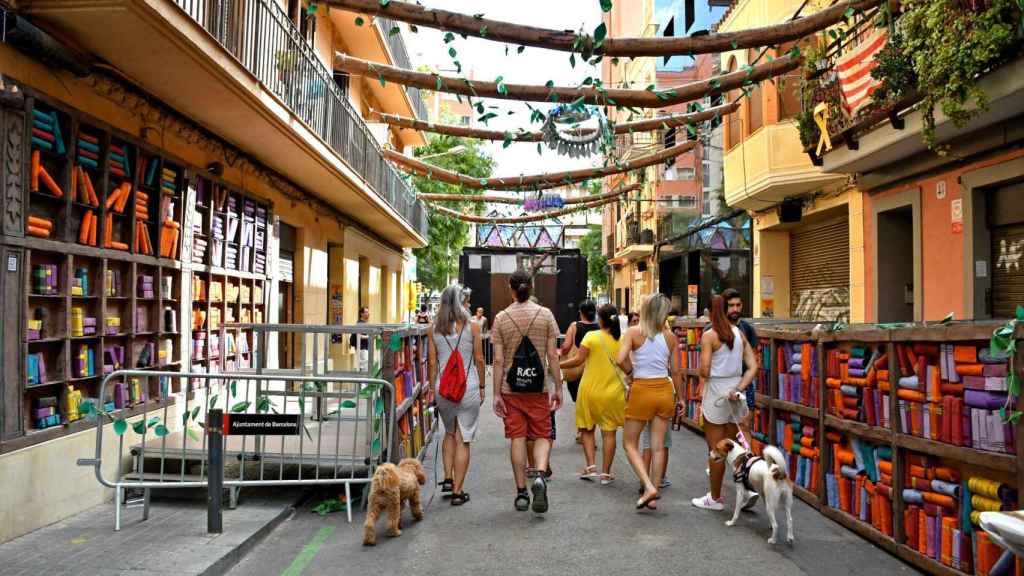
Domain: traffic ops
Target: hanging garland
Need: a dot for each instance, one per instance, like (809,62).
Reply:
(576,131)
(536,217)
(545,202)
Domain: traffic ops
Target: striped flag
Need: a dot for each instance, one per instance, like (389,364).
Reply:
(855,67)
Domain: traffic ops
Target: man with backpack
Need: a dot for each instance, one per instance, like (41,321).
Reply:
(524,336)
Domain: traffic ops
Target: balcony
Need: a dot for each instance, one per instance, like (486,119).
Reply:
(633,242)
(770,166)
(883,140)
(400,58)
(242,70)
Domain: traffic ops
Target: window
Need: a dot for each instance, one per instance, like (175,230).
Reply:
(756,98)
(705,208)
(464,120)
(789,86)
(706,173)
(687,201)
(734,131)
(341,80)
(686,173)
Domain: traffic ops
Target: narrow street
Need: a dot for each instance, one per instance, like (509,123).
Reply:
(589,530)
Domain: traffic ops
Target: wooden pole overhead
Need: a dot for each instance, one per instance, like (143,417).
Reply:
(535,181)
(585,94)
(507,200)
(670,121)
(570,41)
(530,218)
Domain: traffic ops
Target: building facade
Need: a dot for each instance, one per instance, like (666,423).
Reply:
(808,253)
(258,194)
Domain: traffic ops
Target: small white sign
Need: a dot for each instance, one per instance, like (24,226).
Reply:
(12,263)
(475,261)
(981,268)
(956,210)
(767,285)
(940,189)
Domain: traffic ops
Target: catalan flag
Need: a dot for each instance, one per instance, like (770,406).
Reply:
(854,69)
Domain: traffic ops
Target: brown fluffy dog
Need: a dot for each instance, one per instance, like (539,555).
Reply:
(391,486)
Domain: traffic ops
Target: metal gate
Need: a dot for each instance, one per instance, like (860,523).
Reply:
(1007,270)
(819,277)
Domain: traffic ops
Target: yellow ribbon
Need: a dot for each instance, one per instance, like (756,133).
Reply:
(821,119)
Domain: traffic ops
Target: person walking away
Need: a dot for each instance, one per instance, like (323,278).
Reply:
(573,338)
(361,342)
(422,317)
(456,372)
(723,353)
(656,373)
(480,319)
(602,392)
(525,336)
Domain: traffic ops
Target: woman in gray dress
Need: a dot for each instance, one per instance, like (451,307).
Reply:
(454,333)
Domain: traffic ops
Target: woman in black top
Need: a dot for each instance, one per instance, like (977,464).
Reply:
(574,336)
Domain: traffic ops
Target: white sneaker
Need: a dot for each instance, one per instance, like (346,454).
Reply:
(708,503)
(665,483)
(751,501)
(707,472)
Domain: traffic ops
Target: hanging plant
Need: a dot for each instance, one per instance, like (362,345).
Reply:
(894,71)
(951,46)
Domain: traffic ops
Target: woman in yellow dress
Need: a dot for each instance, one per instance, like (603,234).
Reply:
(601,401)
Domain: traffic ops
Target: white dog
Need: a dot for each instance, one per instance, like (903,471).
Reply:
(766,475)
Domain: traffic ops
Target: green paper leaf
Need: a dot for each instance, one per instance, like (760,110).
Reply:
(192,434)
(234,388)
(383,82)
(947,319)
(1020,313)
(448,37)
(161,431)
(359,21)
(650,88)
(376,446)
(379,406)
(549,84)
(483,31)
(849,13)
(348,404)
(600,33)
(483,181)
(538,149)
(733,44)
(479,16)
(615,61)
(384,3)
(606,5)
(240,407)
(572,60)
(452,52)
(120,427)
(212,403)
(152,421)
(520,49)
(184,418)
(414,29)
(311,9)
(439,83)
(395,343)
(139,427)
(395,30)
(195,412)
(263,404)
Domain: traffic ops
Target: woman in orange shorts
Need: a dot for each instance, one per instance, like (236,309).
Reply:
(657,384)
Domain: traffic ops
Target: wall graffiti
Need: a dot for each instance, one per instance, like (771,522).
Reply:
(1010,254)
(822,304)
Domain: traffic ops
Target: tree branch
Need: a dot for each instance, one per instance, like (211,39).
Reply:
(532,217)
(507,200)
(535,181)
(658,123)
(586,94)
(570,41)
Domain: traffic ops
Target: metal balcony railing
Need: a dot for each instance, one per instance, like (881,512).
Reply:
(265,41)
(401,59)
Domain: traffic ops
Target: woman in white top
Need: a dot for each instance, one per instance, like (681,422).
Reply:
(723,353)
(657,382)
(454,333)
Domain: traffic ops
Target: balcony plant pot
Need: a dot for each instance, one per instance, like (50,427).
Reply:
(285,61)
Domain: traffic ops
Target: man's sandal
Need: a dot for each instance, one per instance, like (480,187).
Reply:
(447,486)
(459,498)
(522,502)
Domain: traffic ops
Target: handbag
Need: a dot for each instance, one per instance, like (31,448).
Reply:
(576,372)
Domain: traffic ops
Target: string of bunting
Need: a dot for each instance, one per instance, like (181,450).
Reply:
(536,217)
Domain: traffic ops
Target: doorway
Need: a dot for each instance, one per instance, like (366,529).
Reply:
(896,267)
(286,294)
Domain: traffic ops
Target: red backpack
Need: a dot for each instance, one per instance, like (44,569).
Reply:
(452,386)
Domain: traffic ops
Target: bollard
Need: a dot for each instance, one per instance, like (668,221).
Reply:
(215,462)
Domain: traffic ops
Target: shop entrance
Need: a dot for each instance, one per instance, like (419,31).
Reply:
(286,294)
(896,268)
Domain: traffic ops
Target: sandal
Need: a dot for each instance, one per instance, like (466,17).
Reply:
(459,498)
(522,502)
(607,479)
(447,487)
(589,473)
(646,502)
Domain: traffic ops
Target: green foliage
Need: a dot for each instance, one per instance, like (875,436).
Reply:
(438,262)
(597,263)
(606,5)
(1004,342)
(951,47)
(328,506)
(894,71)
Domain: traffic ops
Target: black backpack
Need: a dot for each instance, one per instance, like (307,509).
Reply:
(527,372)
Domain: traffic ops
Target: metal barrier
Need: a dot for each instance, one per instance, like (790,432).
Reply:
(358,408)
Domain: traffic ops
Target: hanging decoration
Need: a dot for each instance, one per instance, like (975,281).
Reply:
(576,131)
(545,202)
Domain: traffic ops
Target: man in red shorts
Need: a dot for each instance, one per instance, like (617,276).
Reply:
(524,337)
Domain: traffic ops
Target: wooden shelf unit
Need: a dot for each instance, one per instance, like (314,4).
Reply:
(888,434)
(406,368)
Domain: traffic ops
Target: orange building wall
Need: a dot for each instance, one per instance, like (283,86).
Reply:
(942,272)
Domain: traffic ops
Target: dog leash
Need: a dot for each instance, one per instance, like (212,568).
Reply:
(740,436)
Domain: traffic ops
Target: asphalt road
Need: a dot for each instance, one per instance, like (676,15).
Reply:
(590,530)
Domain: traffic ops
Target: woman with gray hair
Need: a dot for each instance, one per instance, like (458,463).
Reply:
(453,334)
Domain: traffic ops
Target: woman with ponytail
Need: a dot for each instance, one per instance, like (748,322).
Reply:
(601,401)
(723,353)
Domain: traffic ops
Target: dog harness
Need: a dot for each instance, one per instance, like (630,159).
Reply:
(743,473)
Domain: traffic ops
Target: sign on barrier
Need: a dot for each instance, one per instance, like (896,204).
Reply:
(262,424)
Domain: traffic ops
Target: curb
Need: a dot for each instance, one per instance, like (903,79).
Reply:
(238,553)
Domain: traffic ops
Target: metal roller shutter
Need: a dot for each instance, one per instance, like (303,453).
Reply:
(286,266)
(1007,270)
(819,257)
